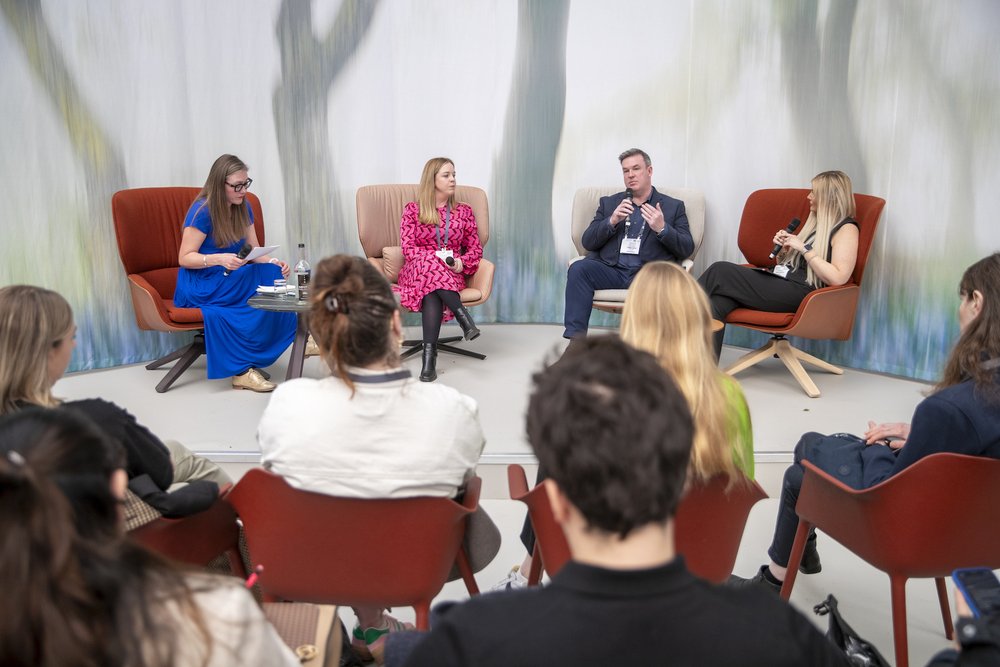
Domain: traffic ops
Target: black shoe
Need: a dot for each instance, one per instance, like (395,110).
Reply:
(429,371)
(469,328)
(810,558)
(763,579)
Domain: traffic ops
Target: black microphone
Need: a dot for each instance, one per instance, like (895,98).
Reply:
(244,251)
(628,194)
(449,260)
(792,226)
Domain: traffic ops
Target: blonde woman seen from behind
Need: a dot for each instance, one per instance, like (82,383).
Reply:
(667,314)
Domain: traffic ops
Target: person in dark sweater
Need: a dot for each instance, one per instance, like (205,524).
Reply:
(37,337)
(961,415)
(615,434)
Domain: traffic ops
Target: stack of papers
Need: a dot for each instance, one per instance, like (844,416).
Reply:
(271,289)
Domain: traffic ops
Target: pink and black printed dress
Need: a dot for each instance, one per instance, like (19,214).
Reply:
(423,272)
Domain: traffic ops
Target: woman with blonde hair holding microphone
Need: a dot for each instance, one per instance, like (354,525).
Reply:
(822,254)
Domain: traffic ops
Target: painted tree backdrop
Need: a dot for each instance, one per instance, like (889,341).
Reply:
(532,99)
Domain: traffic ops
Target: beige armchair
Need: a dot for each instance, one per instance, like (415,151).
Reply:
(380,208)
(585,203)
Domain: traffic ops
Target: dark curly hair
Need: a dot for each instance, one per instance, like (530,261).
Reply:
(614,432)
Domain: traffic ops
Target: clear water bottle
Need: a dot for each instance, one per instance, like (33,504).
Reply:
(302,274)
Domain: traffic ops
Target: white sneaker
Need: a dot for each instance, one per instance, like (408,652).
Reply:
(512,581)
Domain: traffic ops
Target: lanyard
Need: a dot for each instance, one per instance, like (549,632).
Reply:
(628,223)
(447,228)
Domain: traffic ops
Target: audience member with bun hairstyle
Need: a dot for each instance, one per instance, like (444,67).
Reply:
(441,246)
(75,592)
(37,337)
(370,430)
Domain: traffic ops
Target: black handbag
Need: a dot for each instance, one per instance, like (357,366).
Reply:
(859,652)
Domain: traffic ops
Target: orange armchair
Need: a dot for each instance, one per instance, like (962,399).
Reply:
(708,526)
(197,539)
(380,208)
(148,228)
(324,549)
(551,549)
(825,313)
(937,515)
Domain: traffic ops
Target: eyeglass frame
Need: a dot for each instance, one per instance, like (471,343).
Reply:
(240,187)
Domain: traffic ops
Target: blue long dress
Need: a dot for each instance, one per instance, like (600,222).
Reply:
(237,337)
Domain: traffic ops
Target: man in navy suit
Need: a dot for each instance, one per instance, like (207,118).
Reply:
(629,229)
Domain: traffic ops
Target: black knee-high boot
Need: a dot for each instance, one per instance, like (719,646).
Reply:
(428,373)
(464,319)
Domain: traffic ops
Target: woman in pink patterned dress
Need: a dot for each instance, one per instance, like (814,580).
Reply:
(441,247)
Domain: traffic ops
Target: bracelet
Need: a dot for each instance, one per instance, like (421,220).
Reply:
(272,260)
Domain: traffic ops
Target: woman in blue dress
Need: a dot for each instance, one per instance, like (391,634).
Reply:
(239,339)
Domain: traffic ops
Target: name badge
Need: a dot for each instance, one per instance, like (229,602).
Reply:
(444,254)
(630,246)
(780,270)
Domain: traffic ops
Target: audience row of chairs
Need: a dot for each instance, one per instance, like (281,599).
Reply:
(399,552)
(926,521)
(147,225)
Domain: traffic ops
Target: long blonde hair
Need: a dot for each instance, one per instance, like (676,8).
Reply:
(33,321)
(667,314)
(834,202)
(425,193)
(229,223)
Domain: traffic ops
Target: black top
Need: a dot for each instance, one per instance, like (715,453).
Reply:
(594,616)
(148,464)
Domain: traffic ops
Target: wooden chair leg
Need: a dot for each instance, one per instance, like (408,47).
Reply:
(898,587)
(807,358)
(751,358)
(942,591)
(794,558)
(789,357)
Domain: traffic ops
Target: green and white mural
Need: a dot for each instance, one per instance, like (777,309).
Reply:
(532,99)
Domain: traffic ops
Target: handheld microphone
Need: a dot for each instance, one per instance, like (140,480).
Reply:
(449,260)
(244,251)
(792,226)
(628,194)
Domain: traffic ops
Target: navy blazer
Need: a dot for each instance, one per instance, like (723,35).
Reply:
(674,244)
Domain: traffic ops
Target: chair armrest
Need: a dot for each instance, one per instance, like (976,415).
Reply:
(470,499)
(517,482)
(150,313)
(482,280)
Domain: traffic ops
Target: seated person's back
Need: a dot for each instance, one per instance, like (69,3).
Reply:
(615,434)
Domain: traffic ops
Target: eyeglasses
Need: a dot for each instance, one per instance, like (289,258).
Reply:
(240,187)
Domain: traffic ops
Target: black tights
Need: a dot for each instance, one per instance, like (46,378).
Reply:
(432,311)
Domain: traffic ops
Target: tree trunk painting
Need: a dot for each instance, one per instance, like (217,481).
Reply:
(529,278)
(309,67)
(98,287)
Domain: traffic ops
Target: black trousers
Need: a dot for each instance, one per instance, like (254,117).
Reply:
(730,286)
